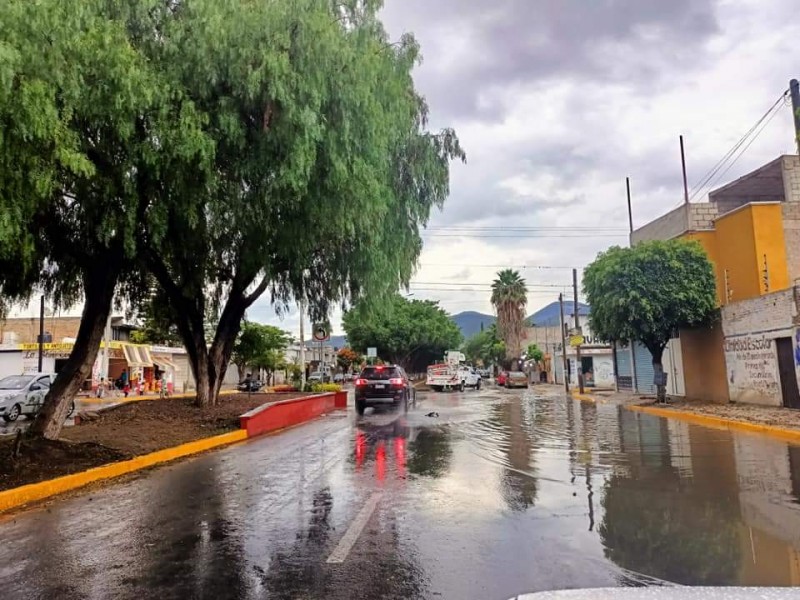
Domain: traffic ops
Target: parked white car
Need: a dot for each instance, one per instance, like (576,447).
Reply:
(24,395)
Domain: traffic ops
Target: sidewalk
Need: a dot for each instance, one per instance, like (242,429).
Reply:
(750,415)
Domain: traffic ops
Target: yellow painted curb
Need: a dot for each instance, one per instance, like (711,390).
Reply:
(791,435)
(583,398)
(26,494)
(124,400)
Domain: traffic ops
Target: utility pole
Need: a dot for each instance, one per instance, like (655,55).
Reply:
(578,364)
(630,212)
(302,344)
(685,183)
(794,90)
(630,344)
(41,333)
(563,342)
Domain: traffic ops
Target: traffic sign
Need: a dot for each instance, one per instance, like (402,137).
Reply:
(576,340)
(321,333)
(372,353)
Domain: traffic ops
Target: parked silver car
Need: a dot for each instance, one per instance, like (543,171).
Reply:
(24,395)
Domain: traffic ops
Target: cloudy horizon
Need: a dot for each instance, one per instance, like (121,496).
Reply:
(556,102)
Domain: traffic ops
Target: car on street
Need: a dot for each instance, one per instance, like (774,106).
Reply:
(516,379)
(252,385)
(317,377)
(501,378)
(383,385)
(338,378)
(24,395)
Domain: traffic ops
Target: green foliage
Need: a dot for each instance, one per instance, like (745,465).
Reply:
(412,333)
(485,347)
(260,346)
(534,353)
(320,388)
(321,169)
(509,298)
(647,292)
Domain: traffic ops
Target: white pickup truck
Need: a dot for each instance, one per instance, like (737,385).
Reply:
(452,374)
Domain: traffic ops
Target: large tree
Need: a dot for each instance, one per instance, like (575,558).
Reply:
(89,123)
(648,292)
(322,169)
(412,333)
(509,298)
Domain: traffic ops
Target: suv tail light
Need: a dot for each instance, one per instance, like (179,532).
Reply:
(361,382)
(398,381)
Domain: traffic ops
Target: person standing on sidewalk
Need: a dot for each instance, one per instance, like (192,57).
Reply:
(101,388)
(162,391)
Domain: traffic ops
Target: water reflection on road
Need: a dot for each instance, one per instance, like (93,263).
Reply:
(475,495)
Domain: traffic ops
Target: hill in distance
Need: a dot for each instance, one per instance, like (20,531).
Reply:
(470,321)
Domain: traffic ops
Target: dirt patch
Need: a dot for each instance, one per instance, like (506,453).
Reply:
(43,459)
(761,415)
(123,432)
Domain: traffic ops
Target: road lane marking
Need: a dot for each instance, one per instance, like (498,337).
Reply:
(349,539)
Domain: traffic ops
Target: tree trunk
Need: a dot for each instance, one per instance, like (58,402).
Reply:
(99,287)
(658,370)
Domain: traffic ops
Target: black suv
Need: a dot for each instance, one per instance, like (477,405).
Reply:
(383,386)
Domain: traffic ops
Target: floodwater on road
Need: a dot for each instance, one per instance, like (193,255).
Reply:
(483,494)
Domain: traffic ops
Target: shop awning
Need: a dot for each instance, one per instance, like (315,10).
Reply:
(164,362)
(137,356)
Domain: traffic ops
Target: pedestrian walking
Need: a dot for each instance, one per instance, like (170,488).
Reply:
(101,388)
(162,393)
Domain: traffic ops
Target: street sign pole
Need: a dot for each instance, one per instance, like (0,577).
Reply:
(578,363)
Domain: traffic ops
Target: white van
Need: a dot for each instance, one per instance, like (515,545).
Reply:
(24,395)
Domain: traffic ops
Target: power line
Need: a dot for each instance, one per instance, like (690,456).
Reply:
(703,184)
(488,285)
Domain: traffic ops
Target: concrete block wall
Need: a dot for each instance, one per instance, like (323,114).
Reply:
(791,178)
(702,215)
(665,227)
(27,328)
(773,314)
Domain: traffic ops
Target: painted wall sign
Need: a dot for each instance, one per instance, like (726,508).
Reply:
(753,370)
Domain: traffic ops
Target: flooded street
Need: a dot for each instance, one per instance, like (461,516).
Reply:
(483,494)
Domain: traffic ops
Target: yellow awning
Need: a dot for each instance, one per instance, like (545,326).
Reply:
(137,356)
(164,362)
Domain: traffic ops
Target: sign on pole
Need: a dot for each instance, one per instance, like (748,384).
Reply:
(372,353)
(576,340)
(321,333)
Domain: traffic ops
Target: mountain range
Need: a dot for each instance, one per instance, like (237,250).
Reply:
(469,322)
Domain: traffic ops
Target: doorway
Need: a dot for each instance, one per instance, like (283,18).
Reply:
(788,374)
(587,368)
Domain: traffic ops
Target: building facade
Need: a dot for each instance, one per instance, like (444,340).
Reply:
(750,230)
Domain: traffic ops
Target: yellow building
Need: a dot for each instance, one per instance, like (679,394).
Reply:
(750,230)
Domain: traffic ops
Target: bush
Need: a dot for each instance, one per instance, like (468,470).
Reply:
(320,388)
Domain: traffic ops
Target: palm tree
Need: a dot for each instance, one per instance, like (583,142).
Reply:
(509,298)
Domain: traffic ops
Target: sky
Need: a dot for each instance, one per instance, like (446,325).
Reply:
(557,101)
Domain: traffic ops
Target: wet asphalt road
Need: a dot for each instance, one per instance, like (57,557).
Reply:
(503,492)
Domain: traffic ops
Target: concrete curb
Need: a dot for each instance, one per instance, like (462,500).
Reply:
(791,435)
(26,494)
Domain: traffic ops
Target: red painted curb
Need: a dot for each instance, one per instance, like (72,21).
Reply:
(341,399)
(286,413)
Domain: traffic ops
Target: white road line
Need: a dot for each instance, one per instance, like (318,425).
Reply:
(339,554)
